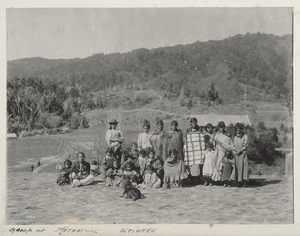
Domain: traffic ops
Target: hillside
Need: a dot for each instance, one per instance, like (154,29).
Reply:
(255,65)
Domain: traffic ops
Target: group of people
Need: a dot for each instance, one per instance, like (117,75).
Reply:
(167,159)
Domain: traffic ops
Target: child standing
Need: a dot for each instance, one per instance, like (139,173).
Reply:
(107,162)
(227,167)
(208,167)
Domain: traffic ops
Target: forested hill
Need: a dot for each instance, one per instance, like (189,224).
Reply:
(256,64)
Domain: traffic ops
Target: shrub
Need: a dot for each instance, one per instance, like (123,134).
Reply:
(262,148)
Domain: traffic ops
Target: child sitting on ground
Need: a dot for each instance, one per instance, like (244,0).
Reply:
(151,156)
(94,168)
(114,175)
(151,179)
(134,150)
(64,173)
(129,172)
(159,167)
(175,170)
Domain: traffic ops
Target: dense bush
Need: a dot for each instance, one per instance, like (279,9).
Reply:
(262,144)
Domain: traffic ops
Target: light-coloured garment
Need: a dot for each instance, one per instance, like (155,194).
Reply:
(151,181)
(223,144)
(144,140)
(82,182)
(209,162)
(111,137)
(142,164)
(241,169)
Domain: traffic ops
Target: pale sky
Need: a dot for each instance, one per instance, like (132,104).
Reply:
(70,33)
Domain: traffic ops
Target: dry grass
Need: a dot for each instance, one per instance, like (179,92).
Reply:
(36,199)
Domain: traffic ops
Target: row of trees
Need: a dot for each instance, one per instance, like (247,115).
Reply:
(32,103)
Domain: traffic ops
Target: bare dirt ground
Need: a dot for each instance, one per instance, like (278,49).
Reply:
(35,198)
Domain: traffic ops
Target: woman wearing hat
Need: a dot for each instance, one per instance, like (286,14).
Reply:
(113,136)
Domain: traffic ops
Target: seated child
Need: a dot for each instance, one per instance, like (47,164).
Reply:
(94,168)
(129,171)
(134,150)
(209,160)
(141,162)
(114,175)
(159,168)
(131,159)
(175,170)
(151,156)
(151,179)
(64,173)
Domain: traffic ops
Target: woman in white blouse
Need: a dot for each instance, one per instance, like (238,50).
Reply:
(144,138)
(113,136)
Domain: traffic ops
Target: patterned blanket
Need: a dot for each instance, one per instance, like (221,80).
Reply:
(194,149)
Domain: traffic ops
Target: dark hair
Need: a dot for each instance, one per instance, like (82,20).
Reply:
(109,150)
(134,144)
(209,125)
(67,161)
(147,124)
(143,152)
(159,122)
(210,145)
(193,120)
(239,126)
(174,122)
(151,150)
(221,124)
(129,163)
(173,150)
(81,153)
(94,162)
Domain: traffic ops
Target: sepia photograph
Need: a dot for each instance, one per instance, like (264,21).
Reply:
(149,116)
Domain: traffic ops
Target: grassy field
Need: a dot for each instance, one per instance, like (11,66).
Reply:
(22,153)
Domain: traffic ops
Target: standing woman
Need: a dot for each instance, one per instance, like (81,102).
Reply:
(144,138)
(113,136)
(175,139)
(223,144)
(241,169)
(194,151)
(158,141)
